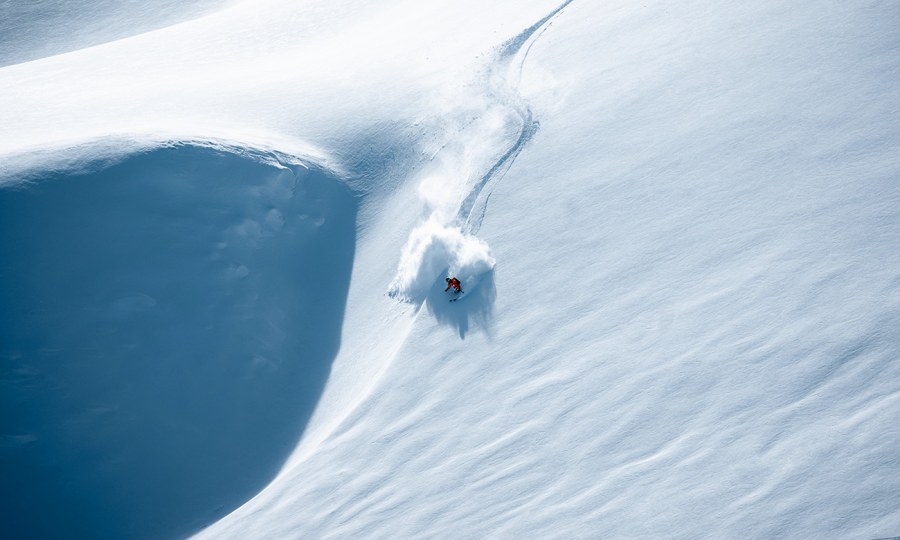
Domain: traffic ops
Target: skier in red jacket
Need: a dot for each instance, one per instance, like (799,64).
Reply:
(453,282)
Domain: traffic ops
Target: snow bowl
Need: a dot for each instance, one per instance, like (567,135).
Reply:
(167,326)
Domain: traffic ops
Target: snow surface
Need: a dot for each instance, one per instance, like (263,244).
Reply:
(223,244)
(32,30)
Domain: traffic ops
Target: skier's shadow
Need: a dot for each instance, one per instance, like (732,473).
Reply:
(475,307)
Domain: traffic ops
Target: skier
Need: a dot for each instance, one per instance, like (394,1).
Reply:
(453,282)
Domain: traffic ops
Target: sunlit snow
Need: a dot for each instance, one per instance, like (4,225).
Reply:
(225,228)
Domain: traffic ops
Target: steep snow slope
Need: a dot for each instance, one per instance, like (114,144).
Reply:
(695,327)
(687,239)
(157,364)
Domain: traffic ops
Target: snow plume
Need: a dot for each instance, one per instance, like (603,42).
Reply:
(433,251)
(484,126)
(438,246)
(471,135)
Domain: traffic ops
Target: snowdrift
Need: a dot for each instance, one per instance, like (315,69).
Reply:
(168,324)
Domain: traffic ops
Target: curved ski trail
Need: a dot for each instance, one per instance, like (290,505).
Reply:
(472,210)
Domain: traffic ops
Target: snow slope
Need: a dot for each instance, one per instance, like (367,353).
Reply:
(683,219)
(33,30)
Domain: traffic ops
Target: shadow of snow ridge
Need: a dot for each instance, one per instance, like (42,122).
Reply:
(167,327)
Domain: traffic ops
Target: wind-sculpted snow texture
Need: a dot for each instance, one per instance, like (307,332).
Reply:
(677,225)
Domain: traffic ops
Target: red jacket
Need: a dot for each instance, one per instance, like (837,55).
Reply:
(453,283)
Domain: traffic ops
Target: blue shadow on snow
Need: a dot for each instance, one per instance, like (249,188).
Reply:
(167,325)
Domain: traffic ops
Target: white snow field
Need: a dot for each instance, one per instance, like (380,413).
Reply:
(223,245)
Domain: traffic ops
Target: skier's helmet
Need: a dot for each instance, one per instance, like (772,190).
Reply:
(447,280)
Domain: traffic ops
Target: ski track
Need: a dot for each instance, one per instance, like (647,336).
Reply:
(472,210)
(473,207)
(471,213)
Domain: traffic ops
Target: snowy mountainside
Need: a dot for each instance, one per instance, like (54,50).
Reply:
(223,246)
(688,286)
